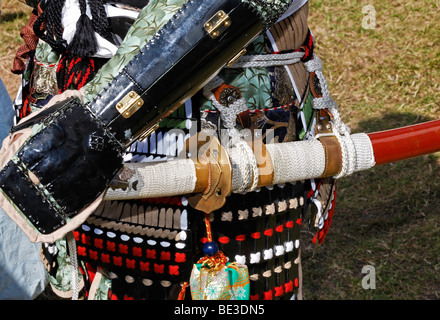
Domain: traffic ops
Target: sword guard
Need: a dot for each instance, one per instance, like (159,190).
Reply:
(214,174)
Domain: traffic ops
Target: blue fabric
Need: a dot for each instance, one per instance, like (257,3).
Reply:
(6,112)
(22,274)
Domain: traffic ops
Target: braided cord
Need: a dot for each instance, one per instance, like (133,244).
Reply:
(52,34)
(268,60)
(99,17)
(71,243)
(49,27)
(340,130)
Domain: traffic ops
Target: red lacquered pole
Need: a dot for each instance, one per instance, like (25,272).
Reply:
(405,143)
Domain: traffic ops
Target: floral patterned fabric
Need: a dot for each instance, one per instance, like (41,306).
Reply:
(58,264)
(226,283)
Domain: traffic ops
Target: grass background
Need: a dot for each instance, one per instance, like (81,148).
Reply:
(382,78)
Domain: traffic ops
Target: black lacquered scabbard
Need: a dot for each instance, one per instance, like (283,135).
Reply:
(183,56)
(76,151)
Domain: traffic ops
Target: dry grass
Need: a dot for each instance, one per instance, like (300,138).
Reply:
(14,16)
(393,68)
(387,217)
(382,78)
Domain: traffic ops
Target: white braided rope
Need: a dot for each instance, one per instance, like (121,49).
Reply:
(239,183)
(296,161)
(228,114)
(71,243)
(268,60)
(152,180)
(245,174)
(348,155)
(364,152)
(245,170)
(341,131)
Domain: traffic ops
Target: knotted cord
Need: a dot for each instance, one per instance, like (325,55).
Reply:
(340,130)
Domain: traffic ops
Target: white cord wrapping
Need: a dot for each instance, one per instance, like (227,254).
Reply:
(71,243)
(228,114)
(291,161)
(151,180)
(364,152)
(341,131)
(245,172)
(296,161)
(268,60)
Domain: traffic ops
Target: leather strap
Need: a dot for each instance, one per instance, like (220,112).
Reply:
(333,156)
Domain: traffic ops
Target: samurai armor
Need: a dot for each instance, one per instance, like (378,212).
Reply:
(149,248)
(172,67)
(259,230)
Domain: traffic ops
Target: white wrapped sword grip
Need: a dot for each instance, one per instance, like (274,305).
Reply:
(291,161)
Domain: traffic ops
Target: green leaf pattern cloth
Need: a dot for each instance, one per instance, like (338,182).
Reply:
(150,20)
(253,83)
(62,280)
